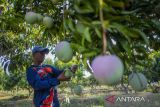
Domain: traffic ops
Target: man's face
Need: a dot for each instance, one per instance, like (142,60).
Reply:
(39,56)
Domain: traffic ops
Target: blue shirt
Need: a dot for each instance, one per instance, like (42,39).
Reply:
(43,79)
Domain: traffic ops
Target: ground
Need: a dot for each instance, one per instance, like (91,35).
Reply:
(89,98)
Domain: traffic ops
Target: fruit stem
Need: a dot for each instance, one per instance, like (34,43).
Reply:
(89,65)
(104,38)
(104,43)
(64,8)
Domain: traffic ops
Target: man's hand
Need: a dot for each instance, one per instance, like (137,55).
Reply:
(62,77)
(74,68)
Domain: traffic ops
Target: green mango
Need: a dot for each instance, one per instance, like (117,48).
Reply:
(31,17)
(68,74)
(63,51)
(48,22)
(78,90)
(138,81)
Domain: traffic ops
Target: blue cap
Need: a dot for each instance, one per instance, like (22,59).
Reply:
(40,49)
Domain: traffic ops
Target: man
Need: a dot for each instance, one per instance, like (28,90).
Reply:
(44,79)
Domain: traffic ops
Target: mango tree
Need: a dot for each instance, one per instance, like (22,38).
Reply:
(128,29)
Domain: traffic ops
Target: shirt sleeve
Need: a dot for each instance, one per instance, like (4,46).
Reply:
(37,83)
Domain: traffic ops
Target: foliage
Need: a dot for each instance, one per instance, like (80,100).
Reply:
(131,28)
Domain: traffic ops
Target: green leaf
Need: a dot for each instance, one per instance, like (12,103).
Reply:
(70,25)
(84,31)
(86,8)
(156,24)
(116,3)
(140,57)
(140,49)
(121,29)
(89,54)
(106,23)
(87,34)
(108,8)
(142,34)
(110,47)
(78,47)
(128,12)
(129,32)
(125,46)
(80,27)
(96,23)
(98,33)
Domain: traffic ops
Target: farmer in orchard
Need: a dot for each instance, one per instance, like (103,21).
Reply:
(44,79)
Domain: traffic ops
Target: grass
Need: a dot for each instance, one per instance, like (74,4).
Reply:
(91,102)
(94,98)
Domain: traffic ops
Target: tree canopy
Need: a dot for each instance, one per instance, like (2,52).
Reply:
(127,28)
